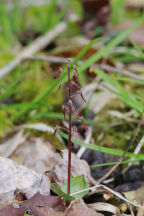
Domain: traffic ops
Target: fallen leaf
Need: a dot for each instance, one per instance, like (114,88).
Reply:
(106,207)
(15,176)
(46,211)
(38,205)
(79,208)
(78,167)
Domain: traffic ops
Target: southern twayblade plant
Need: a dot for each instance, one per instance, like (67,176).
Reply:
(70,110)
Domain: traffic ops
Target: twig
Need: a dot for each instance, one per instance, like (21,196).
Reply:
(117,194)
(108,68)
(120,71)
(37,45)
(123,156)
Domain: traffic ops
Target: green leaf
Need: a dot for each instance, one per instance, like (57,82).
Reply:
(78,183)
(5,24)
(57,189)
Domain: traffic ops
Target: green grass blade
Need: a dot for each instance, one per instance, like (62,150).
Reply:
(10,90)
(103,149)
(113,163)
(5,23)
(49,22)
(127,97)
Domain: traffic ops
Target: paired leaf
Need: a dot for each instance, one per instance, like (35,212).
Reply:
(78,183)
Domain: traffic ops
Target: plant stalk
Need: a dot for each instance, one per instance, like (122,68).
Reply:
(70,132)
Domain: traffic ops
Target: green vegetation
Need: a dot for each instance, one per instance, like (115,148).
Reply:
(78,183)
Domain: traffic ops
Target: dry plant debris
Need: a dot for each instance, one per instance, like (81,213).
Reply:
(38,205)
(49,206)
(79,208)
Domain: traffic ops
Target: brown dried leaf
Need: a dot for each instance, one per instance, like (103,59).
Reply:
(39,205)
(46,211)
(79,167)
(79,208)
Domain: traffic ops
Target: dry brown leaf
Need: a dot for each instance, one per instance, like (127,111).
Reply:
(36,211)
(79,208)
(78,167)
(15,176)
(46,211)
(39,205)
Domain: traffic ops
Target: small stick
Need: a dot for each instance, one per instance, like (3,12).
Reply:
(57,59)
(34,47)
(123,156)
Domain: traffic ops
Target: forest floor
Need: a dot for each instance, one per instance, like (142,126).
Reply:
(101,43)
